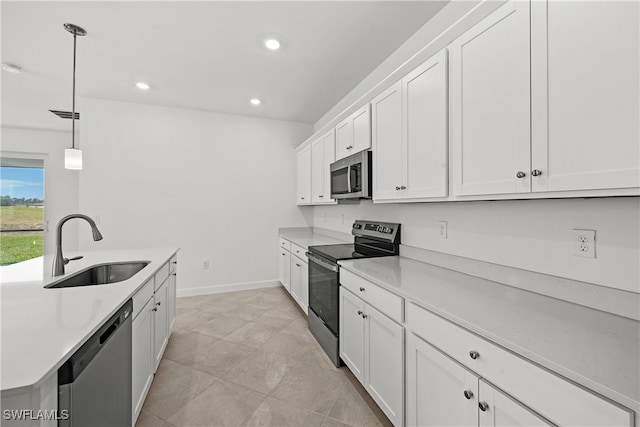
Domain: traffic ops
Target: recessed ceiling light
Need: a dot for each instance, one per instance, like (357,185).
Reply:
(255,101)
(11,68)
(142,86)
(272,44)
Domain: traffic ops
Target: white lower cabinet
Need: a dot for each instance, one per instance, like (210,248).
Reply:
(441,392)
(372,346)
(151,327)
(300,282)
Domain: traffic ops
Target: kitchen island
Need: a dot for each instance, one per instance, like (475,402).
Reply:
(41,328)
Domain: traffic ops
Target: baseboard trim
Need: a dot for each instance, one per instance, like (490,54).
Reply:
(232,287)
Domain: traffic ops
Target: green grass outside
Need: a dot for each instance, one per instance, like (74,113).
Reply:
(17,247)
(21,218)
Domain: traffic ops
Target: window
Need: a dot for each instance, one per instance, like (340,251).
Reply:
(21,210)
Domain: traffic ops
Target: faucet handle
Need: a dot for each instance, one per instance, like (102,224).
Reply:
(75,258)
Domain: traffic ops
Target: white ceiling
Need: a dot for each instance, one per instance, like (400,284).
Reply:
(205,55)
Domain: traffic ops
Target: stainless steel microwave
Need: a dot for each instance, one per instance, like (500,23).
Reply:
(351,177)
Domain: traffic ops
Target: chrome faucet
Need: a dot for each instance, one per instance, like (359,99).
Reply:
(59,261)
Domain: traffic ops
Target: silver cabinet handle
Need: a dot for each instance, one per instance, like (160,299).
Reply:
(536,172)
(468,394)
(302,198)
(521,174)
(158,303)
(364,316)
(402,187)
(321,196)
(297,265)
(154,309)
(484,406)
(174,274)
(360,312)
(397,188)
(474,354)
(362,289)
(283,254)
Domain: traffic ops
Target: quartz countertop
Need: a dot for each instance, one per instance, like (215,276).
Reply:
(41,328)
(306,237)
(598,350)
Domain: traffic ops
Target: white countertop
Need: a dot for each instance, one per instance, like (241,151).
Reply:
(305,237)
(599,350)
(42,327)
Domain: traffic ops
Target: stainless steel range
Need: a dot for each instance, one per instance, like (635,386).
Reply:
(372,239)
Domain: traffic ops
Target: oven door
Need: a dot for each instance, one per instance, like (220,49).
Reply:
(324,290)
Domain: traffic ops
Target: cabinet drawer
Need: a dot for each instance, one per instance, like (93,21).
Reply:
(162,275)
(555,398)
(383,300)
(285,244)
(173,263)
(298,251)
(143,295)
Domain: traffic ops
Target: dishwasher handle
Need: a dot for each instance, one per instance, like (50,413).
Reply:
(74,366)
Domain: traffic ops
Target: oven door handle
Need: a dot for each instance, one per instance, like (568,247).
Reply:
(322,263)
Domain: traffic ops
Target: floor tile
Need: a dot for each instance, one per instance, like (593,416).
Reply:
(223,404)
(191,318)
(260,371)
(276,413)
(330,422)
(219,326)
(353,409)
(145,419)
(252,334)
(174,386)
(219,357)
(248,311)
(292,346)
(183,348)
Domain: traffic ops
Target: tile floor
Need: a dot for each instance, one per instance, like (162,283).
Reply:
(247,359)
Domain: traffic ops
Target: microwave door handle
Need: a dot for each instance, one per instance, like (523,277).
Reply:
(349,179)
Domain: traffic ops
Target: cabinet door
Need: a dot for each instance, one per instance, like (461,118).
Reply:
(490,79)
(352,333)
(284,269)
(361,129)
(296,277)
(329,146)
(303,163)
(384,363)
(142,357)
(171,301)
(425,124)
(585,102)
(322,155)
(304,287)
(343,139)
(160,323)
(499,409)
(388,152)
(440,392)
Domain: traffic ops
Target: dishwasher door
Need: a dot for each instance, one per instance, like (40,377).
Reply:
(94,385)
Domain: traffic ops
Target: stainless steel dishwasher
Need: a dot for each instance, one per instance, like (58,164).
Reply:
(94,385)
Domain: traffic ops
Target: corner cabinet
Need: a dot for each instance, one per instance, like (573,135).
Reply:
(153,320)
(303,167)
(409,135)
(543,100)
(353,134)
(372,342)
(323,153)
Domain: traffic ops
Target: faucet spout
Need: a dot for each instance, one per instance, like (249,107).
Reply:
(59,261)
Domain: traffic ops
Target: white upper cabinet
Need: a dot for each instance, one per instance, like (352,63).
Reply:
(353,134)
(490,96)
(409,135)
(322,155)
(585,95)
(303,162)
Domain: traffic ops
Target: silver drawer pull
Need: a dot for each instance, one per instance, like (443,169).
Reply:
(468,394)
(158,303)
(536,172)
(520,174)
(362,289)
(474,354)
(359,312)
(484,406)
(154,309)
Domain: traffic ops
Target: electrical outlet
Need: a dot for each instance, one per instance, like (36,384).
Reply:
(584,243)
(442,229)
(205,264)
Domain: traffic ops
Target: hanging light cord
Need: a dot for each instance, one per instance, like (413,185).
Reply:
(73,103)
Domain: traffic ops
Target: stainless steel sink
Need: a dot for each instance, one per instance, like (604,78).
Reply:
(101,274)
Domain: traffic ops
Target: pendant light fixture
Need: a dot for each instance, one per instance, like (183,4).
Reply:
(73,155)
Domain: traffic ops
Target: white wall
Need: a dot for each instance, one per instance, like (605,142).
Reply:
(60,184)
(533,235)
(216,185)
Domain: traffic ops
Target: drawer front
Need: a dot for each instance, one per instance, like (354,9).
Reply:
(298,251)
(143,295)
(555,398)
(173,263)
(389,303)
(284,243)
(162,275)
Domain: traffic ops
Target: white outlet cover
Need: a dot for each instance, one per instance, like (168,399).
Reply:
(442,229)
(583,243)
